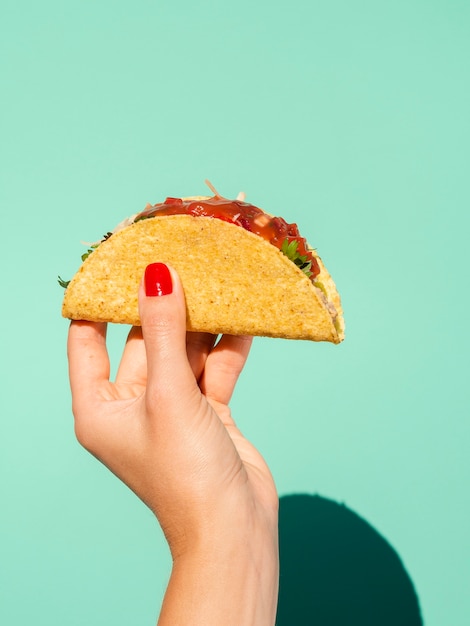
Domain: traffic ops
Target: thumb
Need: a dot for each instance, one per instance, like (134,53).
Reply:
(163,316)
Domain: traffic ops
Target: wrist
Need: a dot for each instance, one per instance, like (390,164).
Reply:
(228,578)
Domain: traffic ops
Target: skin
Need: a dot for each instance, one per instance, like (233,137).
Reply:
(165,429)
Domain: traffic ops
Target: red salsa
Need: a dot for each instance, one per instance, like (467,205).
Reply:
(275,230)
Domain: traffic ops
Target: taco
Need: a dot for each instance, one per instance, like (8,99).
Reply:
(244,272)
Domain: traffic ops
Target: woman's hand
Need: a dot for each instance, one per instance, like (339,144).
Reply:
(165,429)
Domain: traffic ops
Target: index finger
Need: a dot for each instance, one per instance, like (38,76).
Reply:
(88,357)
(223,367)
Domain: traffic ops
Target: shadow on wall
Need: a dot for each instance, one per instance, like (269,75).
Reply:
(336,570)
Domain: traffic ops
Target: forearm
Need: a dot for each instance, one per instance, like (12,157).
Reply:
(234,585)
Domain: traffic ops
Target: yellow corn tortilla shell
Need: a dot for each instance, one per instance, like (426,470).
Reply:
(234,281)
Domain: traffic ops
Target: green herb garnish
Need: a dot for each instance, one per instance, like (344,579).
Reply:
(85,255)
(63,283)
(289,248)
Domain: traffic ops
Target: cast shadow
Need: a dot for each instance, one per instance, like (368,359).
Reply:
(336,570)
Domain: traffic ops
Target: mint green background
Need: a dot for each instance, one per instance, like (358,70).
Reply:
(350,118)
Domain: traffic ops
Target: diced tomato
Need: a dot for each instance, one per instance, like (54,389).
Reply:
(177,201)
(275,230)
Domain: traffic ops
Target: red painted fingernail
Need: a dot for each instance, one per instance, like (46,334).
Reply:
(157,280)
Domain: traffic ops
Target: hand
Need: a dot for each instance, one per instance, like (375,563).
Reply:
(165,429)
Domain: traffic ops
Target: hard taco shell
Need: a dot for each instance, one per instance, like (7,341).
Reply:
(234,281)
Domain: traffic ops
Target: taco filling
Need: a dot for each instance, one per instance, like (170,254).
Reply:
(275,230)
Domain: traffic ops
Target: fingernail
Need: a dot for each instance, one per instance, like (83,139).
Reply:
(157,280)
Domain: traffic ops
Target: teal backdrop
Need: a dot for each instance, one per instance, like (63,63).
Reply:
(349,117)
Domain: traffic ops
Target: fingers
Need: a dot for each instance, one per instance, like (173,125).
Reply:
(223,367)
(198,347)
(163,316)
(88,358)
(133,366)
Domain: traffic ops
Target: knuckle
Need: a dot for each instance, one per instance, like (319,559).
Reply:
(85,431)
(84,435)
